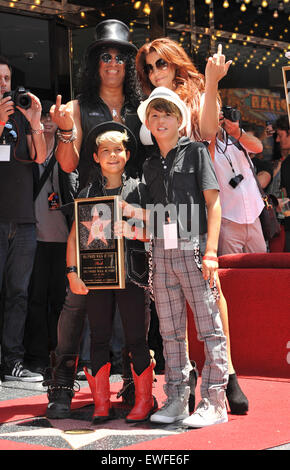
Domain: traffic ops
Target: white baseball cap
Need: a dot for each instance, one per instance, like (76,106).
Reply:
(168,95)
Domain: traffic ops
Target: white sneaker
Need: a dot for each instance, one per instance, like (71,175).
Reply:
(207,414)
(173,410)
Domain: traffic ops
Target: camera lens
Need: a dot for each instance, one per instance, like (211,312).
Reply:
(232,114)
(23,100)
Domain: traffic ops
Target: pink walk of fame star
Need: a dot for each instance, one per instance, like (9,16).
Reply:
(96,228)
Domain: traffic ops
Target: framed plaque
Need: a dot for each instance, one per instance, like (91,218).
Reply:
(286,81)
(100,256)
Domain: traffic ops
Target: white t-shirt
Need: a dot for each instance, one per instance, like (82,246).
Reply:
(242,204)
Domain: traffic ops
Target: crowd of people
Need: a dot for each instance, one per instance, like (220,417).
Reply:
(149,127)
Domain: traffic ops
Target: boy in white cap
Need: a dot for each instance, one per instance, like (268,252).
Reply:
(181,179)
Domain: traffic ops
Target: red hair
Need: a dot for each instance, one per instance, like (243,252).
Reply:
(188,81)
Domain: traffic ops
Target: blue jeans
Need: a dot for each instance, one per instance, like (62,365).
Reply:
(17,250)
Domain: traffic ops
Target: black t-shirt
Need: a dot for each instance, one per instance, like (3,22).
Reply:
(132,191)
(285,175)
(262,165)
(16,177)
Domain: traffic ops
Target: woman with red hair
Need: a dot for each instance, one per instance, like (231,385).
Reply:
(163,62)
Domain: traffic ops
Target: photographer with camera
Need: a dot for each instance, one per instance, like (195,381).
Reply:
(241,201)
(21,142)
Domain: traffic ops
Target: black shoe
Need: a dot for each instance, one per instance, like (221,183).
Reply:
(60,389)
(193,376)
(59,402)
(237,400)
(18,372)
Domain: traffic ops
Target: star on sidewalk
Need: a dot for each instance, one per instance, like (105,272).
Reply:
(78,437)
(96,228)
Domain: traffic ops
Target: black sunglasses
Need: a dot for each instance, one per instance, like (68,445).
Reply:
(107,58)
(160,64)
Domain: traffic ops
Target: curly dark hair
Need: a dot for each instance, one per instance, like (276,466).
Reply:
(90,79)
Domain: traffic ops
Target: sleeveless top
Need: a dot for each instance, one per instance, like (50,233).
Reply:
(96,113)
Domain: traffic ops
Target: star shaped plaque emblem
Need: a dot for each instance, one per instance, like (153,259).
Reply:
(96,228)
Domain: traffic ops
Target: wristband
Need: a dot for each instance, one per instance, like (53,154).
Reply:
(65,130)
(2,123)
(71,269)
(67,139)
(38,131)
(210,258)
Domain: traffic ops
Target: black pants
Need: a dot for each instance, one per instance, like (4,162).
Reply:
(46,296)
(101,310)
(71,324)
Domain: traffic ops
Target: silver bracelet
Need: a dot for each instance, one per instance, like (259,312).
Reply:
(38,131)
(66,138)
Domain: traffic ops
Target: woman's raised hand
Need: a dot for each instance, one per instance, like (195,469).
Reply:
(216,67)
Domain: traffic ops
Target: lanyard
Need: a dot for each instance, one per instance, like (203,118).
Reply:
(223,152)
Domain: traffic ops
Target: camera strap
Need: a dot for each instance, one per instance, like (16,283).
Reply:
(242,149)
(226,139)
(230,162)
(44,176)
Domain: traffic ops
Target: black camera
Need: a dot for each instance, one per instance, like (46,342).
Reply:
(20,97)
(236,180)
(232,114)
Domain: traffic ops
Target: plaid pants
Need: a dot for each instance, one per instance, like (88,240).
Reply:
(177,279)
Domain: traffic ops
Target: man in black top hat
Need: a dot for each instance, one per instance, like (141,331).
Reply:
(109,91)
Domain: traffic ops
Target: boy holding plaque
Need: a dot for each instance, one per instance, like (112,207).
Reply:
(180,177)
(111,144)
